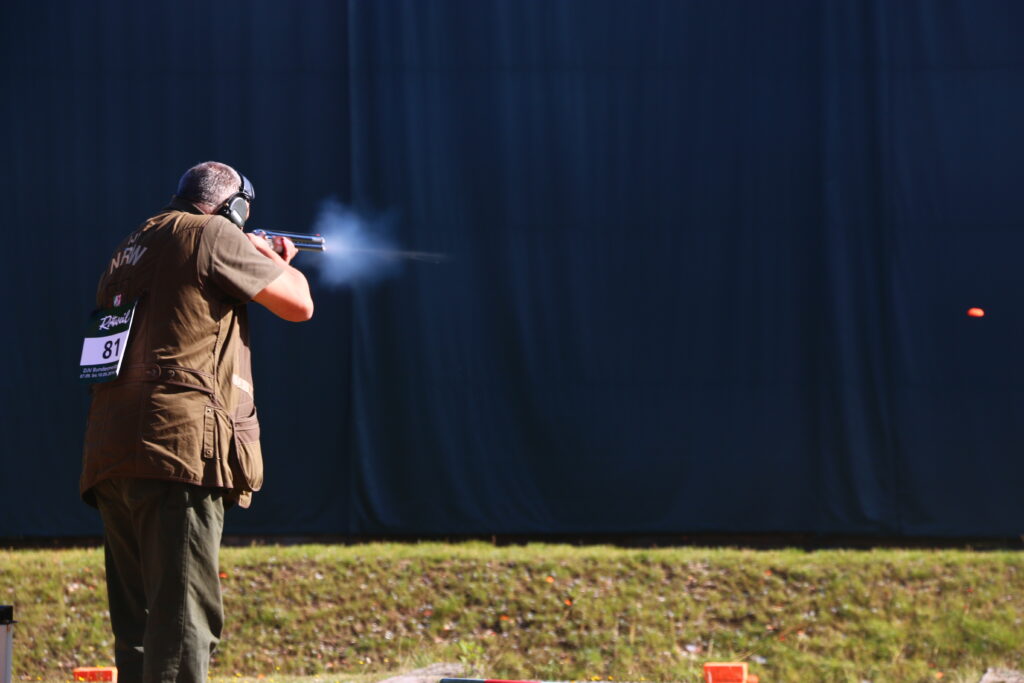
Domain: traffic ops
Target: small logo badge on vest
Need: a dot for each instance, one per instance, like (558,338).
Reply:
(117,299)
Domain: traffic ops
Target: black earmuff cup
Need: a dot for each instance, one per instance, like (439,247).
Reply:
(237,210)
(236,207)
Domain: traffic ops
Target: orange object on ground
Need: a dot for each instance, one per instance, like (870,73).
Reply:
(976,312)
(96,673)
(725,672)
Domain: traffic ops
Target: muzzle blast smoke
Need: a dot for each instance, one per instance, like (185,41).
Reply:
(359,250)
(424,256)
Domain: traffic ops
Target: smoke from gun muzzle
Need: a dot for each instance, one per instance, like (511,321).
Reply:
(358,248)
(423,256)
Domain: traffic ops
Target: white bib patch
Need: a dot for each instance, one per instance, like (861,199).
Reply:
(105,341)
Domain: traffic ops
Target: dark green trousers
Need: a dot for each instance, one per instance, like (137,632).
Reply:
(162,541)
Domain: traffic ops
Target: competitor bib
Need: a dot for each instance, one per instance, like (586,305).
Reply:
(105,340)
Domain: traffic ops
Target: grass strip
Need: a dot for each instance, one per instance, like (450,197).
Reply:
(555,612)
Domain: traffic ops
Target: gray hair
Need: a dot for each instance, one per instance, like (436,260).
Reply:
(209,183)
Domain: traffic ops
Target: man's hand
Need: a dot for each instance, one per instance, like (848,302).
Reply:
(283,248)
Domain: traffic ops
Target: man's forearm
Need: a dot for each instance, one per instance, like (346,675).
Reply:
(288,296)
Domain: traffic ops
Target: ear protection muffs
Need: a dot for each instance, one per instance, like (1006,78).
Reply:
(236,207)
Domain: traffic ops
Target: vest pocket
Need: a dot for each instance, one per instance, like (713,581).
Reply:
(248,456)
(217,448)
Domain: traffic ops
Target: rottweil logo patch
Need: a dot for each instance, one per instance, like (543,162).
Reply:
(108,321)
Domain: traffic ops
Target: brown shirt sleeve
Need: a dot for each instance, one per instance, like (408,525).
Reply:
(229,262)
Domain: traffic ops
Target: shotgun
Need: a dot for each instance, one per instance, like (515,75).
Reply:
(301,241)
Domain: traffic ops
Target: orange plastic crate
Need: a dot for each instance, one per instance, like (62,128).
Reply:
(96,673)
(725,672)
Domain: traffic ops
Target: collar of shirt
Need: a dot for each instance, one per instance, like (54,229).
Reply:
(179,204)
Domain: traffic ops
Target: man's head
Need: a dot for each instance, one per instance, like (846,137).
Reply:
(217,188)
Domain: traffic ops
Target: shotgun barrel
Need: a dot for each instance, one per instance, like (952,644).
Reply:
(302,241)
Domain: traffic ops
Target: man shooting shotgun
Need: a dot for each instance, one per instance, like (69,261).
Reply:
(172,438)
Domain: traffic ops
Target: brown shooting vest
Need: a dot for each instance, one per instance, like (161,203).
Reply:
(182,407)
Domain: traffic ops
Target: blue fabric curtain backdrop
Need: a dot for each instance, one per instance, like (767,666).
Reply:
(711,261)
